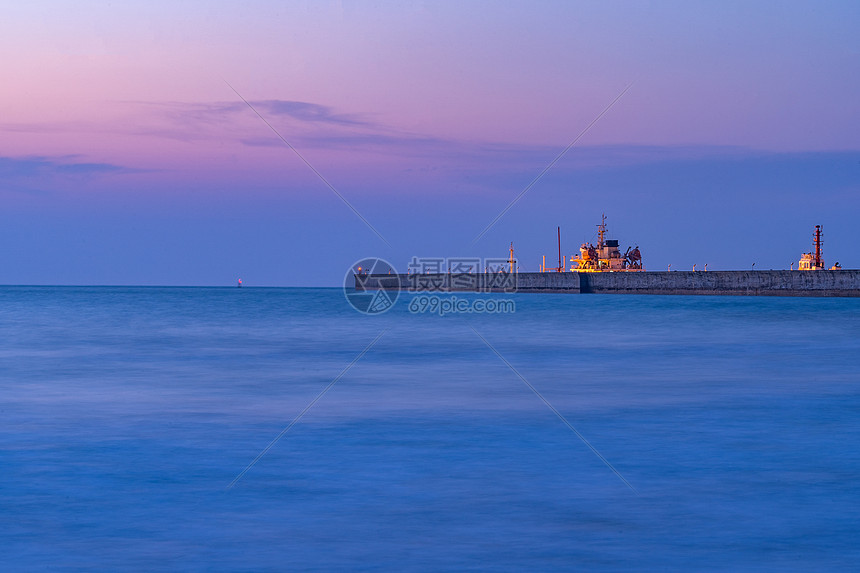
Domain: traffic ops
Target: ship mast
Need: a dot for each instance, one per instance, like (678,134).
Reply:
(601,231)
(512,258)
(559,251)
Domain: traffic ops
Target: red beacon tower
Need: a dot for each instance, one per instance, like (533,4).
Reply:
(813,261)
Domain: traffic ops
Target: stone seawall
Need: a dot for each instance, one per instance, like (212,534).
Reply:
(754,283)
(750,283)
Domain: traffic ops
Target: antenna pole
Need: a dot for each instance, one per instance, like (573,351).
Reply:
(601,230)
(559,250)
(818,262)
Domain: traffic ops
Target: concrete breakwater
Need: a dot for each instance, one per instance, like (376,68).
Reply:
(750,283)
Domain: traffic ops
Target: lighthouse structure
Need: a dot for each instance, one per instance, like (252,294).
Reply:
(813,261)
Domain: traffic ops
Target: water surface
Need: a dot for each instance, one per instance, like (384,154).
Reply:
(126,412)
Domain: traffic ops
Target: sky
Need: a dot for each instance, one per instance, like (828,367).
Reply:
(128,156)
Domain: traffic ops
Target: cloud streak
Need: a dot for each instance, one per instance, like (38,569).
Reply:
(311,112)
(185,113)
(38,166)
(316,126)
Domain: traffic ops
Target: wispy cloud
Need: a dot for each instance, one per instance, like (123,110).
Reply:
(315,126)
(312,112)
(46,176)
(405,142)
(192,121)
(54,127)
(185,113)
(40,168)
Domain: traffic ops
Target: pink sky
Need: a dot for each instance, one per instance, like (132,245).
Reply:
(778,79)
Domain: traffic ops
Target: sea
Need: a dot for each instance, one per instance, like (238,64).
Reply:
(278,429)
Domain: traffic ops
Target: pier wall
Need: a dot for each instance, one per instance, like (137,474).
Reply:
(472,282)
(750,283)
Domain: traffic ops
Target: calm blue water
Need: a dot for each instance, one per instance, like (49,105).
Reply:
(126,412)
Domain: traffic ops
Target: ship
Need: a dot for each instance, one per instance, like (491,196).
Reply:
(605,256)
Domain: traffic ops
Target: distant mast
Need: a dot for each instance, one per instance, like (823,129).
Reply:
(560,266)
(601,232)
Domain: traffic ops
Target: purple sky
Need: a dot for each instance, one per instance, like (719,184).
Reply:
(125,158)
